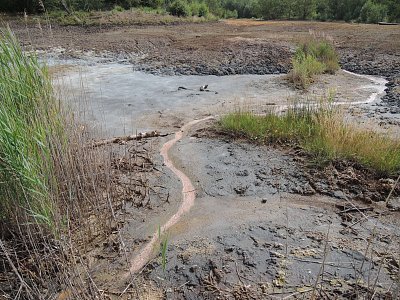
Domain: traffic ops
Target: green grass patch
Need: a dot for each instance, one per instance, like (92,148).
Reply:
(320,131)
(29,122)
(313,57)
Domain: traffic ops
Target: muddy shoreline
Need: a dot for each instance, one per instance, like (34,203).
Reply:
(220,48)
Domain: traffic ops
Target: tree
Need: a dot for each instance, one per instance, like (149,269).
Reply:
(272,9)
(373,12)
(305,9)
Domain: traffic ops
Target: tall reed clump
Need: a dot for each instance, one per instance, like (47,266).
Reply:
(320,130)
(315,56)
(29,121)
(47,179)
(56,192)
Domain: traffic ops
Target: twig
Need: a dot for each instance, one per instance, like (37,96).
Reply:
(23,283)
(357,209)
(321,270)
(182,285)
(297,293)
(392,190)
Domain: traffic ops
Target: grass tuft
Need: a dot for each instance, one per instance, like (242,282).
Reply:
(313,57)
(321,131)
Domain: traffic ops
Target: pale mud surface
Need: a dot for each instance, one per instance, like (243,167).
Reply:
(119,101)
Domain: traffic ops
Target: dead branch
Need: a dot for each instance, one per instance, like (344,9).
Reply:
(124,139)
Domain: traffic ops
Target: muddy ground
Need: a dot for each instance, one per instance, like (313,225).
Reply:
(267,223)
(219,48)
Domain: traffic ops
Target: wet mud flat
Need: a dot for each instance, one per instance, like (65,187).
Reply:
(262,222)
(260,231)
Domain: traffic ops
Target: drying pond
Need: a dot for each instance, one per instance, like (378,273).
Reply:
(122,101)
(249,233)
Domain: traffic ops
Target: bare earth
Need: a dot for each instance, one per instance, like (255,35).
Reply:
(265,224)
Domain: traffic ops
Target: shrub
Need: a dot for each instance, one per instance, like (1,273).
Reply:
(117,8)
(305,67)
(179,8)
(194,8)
(373,12)
(230,14)
(203,10)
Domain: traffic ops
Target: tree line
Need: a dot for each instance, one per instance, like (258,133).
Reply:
(367,11)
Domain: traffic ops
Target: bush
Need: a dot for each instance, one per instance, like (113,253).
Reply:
(373,12)
(117,8)
(203,10)
(305,67)
(179,8)
(230,14)
(194,8)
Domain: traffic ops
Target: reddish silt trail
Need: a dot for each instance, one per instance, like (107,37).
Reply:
(188,197)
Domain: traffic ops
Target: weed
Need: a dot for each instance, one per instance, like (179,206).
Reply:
(164,248)
(321,131)
(313,57)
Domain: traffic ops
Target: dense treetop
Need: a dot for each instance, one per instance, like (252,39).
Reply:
(369,11)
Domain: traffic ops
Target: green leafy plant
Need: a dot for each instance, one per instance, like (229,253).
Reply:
(179,8)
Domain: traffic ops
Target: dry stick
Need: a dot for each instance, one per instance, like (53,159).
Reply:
(371,238)
(392,190)
(297,293)
(377,275)
(14,268)
(135,137)
(321,270)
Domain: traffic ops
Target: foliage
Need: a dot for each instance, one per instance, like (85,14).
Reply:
(203,10)
(117,8)
(179,8)
(370,11)
(305,67)
(321,131)
(373,12)
(29,118)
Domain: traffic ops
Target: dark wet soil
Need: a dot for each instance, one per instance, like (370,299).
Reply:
(260,230)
